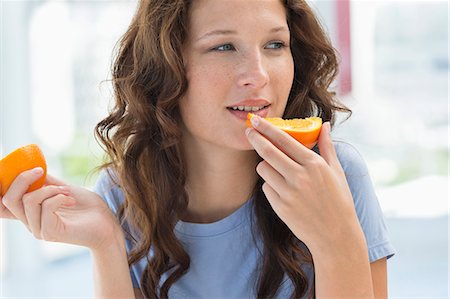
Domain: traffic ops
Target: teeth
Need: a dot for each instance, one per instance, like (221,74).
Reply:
(248,108)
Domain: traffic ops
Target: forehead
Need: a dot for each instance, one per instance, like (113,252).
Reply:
(208,15)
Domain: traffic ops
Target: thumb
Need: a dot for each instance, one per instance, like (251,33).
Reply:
(326,146)
(51,180)
(4,212)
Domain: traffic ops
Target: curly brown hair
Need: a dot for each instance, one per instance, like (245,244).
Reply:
(142,135)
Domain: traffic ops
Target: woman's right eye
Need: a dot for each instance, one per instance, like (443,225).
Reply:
(224,47)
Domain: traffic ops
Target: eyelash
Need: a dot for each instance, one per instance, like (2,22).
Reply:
(280,45)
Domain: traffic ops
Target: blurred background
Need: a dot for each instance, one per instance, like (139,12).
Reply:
(55,61)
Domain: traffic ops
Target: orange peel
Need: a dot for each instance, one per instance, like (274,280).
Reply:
(18,161)
(304,130)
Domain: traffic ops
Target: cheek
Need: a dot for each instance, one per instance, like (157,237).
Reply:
(209,79)
(286,74)
(282,79)
(206,93)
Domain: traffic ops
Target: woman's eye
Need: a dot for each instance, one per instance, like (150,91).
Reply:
(225,47)
(276,45)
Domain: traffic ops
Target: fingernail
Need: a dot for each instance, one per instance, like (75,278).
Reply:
(38,170)
(255,120)
(247,131)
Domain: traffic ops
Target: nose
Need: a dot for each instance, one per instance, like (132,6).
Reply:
(253,72)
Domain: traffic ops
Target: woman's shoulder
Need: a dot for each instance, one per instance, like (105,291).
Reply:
(106,180)
(108,188)
(351,159)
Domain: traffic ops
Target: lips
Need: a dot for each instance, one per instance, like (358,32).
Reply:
(254,102)
(251,102)
(242,115)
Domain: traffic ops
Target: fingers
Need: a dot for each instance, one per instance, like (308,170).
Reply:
(271,176)
(31,208)
(4,212)
(32,203)
(272,196)
(50,222)
(282,140)
(270,153)
(12,200)
(326,147)
(51,180)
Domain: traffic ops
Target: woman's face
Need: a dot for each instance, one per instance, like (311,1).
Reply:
(237,55)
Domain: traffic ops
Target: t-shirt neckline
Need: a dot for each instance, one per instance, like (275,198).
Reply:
(219,227)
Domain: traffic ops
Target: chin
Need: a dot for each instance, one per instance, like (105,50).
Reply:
(231,141)
(245,145)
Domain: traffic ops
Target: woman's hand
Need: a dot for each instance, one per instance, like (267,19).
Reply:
(309,192)
(60,213)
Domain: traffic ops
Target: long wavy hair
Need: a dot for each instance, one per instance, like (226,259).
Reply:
(142,134)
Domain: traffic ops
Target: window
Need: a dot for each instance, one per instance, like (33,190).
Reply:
(56,55)
(400,71)
(55,59)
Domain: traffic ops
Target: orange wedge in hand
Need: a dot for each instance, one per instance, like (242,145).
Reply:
(20,160)
(304,130)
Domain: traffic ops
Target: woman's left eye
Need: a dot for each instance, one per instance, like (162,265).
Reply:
(224,47)
(276,45)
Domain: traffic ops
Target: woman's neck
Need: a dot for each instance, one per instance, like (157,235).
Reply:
(219,181)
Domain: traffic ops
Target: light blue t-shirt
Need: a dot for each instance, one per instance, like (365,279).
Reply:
(224,256)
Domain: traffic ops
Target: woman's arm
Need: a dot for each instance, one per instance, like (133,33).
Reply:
(343,270)
(68,214)
(310,193)
(379,278)
(111,273)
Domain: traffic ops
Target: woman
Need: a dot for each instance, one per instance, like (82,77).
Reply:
(207,208)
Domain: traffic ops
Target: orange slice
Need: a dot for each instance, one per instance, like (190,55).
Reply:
(304,130)
(20,160)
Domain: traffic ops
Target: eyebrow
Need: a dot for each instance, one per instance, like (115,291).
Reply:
(231,32)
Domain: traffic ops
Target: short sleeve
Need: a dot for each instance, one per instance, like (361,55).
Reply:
(367,207)
(107,189)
